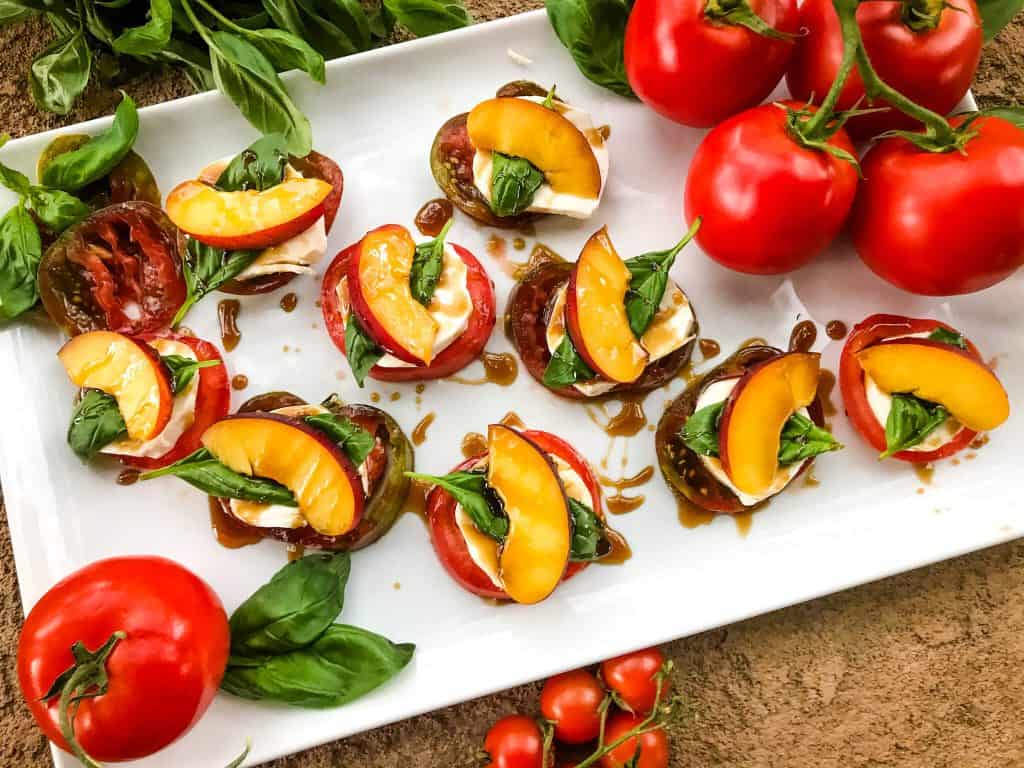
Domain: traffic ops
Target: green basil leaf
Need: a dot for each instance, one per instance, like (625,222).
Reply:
(286,51)
(427,265)
(944,336)
(566,367)
(21,249)
(201,470)
(589,542)
(207,268)
(55,208)
(343,664)
(294,608)
(14,180)
(514,182)
(307,23)
(12,11)
(995,14)
(361,351)
(96,25)
(196,62)
(594,32)
(802,439)
(347,15)
(477,500)
(700,432)
(355,441)
(96,158)
(96,422)
(149,37)
(60,73)
(183,370)
(648,281)
(382,22)
(910,421)
(429,17)
(259,166)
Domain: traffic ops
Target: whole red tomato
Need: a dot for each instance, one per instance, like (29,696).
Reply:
(943,223)
(768,204)
(653,745)
(933,67)
(692,63)
(572,702)
(515,742)
(163,672)
(632,677)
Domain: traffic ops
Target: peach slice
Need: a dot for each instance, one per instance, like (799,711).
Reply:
(941,374)
(325,482)
(378,283)
(127,369)
(247,219)
(758,408)
(595,312)
(535,553)
(544,137)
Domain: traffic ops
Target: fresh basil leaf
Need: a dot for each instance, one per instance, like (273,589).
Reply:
(700,432)
(355,441)
(995,14)
(55,208)
(945,336)
(286,52)
(21,249)
(60,73)
(594,32)
(259,166)
(427,265)
(307,23)
(207,268)
(343,664)
(566,367)
(514,182)
(96,158)
(12,11)
(648,281)
(96,422)
(97,26)
(429,17)
(183,370)
(347,15)
(802,439)
(910,421)
(477,500)
(294,608)
(196,62)
(589,542)
(149,37)
(382,22)
(201,470)
(14,180)
(361,351)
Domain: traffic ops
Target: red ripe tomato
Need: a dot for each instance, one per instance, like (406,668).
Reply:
(933,67)
(515,742)
(653,745)
(698,70)
(163,674)
(768,204)
(632,677)
(572,702)
(943,223)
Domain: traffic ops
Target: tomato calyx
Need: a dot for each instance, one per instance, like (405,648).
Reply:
(925,15)
(740,13)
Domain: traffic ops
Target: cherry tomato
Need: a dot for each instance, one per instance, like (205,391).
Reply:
(946,223)
(697,70)
(933,67)
(768,205)
(162,675)
(872,330)
(515,742)
(632,677)
(653,745)
(572,702)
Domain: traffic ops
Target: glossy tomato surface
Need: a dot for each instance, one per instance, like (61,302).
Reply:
(572,703)
(768,205)
(653,745)
(162,675)
(873,330)
(633,678)
(515,742)
(932,67)
(698,71)
(948,223)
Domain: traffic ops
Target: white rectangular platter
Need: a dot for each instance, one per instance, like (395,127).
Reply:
(377,116)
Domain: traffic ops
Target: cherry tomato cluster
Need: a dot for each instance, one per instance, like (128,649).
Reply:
(613,717)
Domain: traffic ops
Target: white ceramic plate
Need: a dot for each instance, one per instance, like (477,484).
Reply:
(377,116)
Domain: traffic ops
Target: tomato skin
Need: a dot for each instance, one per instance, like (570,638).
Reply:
(698,72)
(572,702)
(515,742)
(163,674)
(653,746)
(948,223)
(631,676)
(933,67)
(870,331)
(768,205)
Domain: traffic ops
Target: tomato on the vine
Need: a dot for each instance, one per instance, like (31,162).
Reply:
(572,703)
(653,745)
(515,742)
(633,677)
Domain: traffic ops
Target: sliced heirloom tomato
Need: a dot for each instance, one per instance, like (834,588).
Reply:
(118,269)
(450,544)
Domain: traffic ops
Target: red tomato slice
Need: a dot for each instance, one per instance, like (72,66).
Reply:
(872,330)
(456,355)
(449,543)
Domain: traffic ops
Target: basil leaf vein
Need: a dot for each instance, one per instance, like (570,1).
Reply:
(472,493)
(96,422)
(150,37)
(427,265)
(203,471)
(355,441)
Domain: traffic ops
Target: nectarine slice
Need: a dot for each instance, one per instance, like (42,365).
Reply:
(544,137)
(535,553)
(325,482)
(940,374)
(128,370)
(595,312)
(755,413)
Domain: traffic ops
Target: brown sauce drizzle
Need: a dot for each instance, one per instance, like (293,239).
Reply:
(979,442)
(640,478)
(620,504)
(539,256)
(239,381)
(519,243)
(709,348)
(620,551)
(230,532)
(128,477)
(416,501)
(627,422)
(474,444)
(227,313)
(836,330)
(375,397)
(744,520)
(691,516)
(419,432)
(431,218)
(295,552)
(289,301)
(512,419)
(395,397)
(803,336)
(754,341)
(810,480)
(826,386)
(500,368)
(925,472)
(496,247)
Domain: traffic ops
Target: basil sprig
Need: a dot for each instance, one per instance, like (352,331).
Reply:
(183,370)
(428,17)
(59,74)
(361,351)
(54,208)
(648,281)
(910,421)
(945,336)
(206,269)
(96,422)
(514,182)
(259,166)
(566,367)
(21,250)
(427,265)
(594,32)
(202,470)
(477,500)
(355,441)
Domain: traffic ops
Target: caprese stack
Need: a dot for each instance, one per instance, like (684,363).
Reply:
(745,431)
(399,311)
(602,324)
(916,389)
(520,155)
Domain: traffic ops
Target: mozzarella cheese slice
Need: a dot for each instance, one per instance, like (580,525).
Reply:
(546,200)
(296,256)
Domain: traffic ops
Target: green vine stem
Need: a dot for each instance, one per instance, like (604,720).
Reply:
(739,12)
